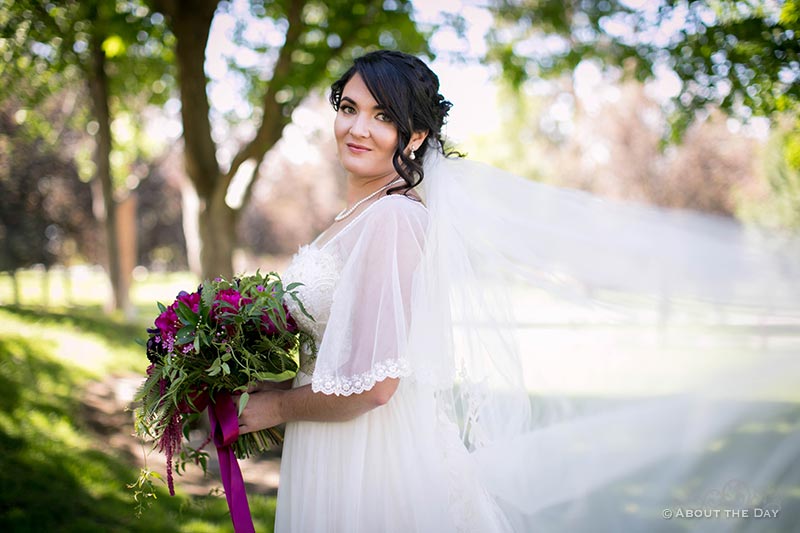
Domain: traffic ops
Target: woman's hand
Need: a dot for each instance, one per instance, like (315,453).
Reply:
(261,412)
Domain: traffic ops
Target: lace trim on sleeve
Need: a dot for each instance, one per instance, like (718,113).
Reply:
(328,383)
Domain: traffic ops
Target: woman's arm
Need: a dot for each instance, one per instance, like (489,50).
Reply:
(270,385)
(269,408)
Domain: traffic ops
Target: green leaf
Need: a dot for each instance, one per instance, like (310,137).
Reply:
(215,368)
(282,313)
(161,307)
(186,315)
(185,335)
(207,296)
(276,376)
(243,399)
(302,307)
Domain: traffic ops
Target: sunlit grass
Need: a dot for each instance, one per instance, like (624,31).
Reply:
(88,288)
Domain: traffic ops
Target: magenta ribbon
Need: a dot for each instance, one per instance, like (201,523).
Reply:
(224,418)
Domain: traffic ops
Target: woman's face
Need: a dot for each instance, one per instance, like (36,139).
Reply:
(365,136)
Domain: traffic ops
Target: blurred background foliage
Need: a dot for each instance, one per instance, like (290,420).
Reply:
(127,106)
(737,58)
(155,144)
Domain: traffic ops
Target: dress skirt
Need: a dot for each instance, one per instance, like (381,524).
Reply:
(393,469)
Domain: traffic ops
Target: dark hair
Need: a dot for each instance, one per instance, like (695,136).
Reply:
(409,92)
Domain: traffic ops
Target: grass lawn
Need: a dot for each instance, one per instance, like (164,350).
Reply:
(56,473)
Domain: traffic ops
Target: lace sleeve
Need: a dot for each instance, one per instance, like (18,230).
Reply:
(365,339)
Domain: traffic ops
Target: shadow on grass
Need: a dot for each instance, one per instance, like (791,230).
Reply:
(57,476)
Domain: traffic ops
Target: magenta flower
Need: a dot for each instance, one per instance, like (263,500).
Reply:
(168,323)
(192,300)
(270,328)
(230,296)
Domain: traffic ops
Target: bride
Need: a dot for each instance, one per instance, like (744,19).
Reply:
(442,395)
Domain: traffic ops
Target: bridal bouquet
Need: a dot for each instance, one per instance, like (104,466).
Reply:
(205,347)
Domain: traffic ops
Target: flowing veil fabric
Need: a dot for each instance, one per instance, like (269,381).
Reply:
(610,366)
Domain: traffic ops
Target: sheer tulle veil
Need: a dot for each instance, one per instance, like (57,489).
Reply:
(610,366)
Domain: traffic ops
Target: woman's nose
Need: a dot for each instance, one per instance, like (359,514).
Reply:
(359,127)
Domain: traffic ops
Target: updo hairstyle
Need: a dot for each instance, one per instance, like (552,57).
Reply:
(408,91)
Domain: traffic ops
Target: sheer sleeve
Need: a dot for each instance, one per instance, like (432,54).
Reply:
(365,340)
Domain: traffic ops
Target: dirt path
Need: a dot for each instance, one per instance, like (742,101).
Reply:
(104,410)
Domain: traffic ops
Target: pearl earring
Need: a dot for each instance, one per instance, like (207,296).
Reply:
(412,156)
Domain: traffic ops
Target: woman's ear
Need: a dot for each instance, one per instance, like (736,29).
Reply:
(417,138)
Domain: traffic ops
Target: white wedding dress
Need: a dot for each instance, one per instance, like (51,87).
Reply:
(399,467)
(670,378)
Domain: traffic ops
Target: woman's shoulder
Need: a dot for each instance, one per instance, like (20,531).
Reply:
(389,215)
(391,224)
(396,207)
(395,210)
(398,204)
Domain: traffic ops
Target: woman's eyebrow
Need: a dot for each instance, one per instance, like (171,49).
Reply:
(350,100)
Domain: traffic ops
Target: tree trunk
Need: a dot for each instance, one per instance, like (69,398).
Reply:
(98,89)
(126,226)
(68,292)
(46,287)
(190,212)
(191,22)
(15,284)
(217,234)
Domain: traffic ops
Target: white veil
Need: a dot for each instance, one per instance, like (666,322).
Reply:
(609,363)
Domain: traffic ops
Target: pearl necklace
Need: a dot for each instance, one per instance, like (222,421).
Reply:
(347,211)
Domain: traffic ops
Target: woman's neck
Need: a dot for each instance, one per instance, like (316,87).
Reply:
(359,188)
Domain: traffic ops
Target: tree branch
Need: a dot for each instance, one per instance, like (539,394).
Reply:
(272,119)
(272,126)
(191,23)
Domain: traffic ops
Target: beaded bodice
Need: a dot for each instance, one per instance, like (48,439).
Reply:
(318,270)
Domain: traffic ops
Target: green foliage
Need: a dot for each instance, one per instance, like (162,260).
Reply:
(49,44)
(56,474)
(516,145)
(47,48)
(144,490)
(741,56)
(330,35)
(778,204)
(45,211)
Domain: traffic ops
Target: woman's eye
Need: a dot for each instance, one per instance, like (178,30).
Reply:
(383,117)
(347,109)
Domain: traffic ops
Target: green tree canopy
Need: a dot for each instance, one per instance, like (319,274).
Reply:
(742,56)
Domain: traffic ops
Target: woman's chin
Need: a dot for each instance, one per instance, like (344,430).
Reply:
(362,168)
